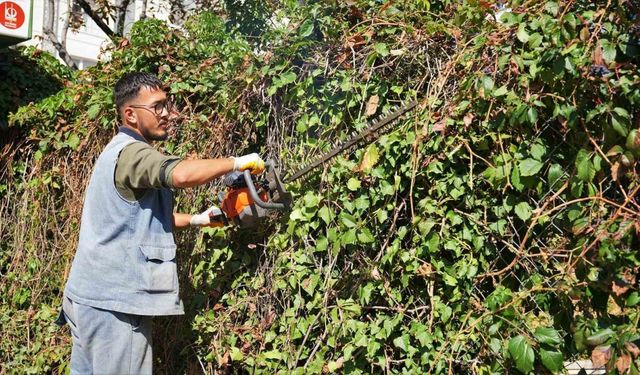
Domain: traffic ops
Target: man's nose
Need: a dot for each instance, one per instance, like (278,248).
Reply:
(166,112)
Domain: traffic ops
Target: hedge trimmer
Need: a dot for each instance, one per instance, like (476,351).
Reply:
(245,202)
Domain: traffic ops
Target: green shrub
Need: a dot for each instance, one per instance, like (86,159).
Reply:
(492,230)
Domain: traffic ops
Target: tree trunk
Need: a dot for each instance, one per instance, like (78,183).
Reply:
(50,34)
(48,25)
(121,16)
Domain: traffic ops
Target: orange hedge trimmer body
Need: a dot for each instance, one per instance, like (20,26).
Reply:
(245,201)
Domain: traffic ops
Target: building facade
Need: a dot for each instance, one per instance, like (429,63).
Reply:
(86,44)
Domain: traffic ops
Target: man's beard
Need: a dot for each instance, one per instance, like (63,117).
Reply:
(156,137)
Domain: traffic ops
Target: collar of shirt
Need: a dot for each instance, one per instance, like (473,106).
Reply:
(131,133)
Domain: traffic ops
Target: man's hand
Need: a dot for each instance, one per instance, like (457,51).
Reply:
(212,217)
(252,162)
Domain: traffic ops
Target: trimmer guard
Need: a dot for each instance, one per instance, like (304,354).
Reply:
(245,204)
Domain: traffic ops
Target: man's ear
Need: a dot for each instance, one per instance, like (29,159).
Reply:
(129,116)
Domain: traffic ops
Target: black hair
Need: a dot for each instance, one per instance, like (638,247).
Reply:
(129,85)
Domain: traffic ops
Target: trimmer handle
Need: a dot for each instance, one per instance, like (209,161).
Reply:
(254,194)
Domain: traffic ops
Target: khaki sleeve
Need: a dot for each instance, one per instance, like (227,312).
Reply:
(141,167)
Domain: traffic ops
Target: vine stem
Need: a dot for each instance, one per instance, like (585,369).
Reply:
(597,28)
(559,207)
(526,236)
(604,232)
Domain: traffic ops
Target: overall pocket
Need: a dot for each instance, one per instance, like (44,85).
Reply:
(159,272)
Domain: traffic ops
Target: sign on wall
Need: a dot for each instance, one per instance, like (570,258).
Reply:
(15,20)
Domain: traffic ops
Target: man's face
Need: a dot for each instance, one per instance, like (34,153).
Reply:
(149,112)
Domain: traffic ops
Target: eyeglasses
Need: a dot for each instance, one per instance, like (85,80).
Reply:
(157,108)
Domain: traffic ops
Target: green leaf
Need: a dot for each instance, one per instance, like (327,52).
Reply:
(348,220)
(620,121)
(365,292)
(585,168)
(93,111)
(535,40)
(306,29)
(236,354)
(495,345)
(552,7)
(381,215)
(425,226)
(596,112)
(272,89)
(600,337)
(400,343)
(533,70)
(538,151)
(516,180)
(608,51)
(552,360)
(622,112)
(382,49)
(568,50)
(529,167)
(353,184)
(325,214)
(633,299)
(554,175)
(311,200)
(73,141)
(287,78)
(522,354)
(387,188)
(487,83)
(523,210)
(548,335)
(349,237)
(296,215)
(597,162)
(370,158)
(365,236)
(350,305)
(322,244)
(580,340)
(362,203)
(503,90)
(273,354)
(522,34)
(302,124)
(532,115)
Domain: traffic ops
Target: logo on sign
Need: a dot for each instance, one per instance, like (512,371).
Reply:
(11,15)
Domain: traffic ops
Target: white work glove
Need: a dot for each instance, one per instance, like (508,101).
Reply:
(252,162)
(205,219)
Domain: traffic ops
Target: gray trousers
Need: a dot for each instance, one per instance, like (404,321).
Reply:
(108,342)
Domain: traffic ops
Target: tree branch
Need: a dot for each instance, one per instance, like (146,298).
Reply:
(96,18)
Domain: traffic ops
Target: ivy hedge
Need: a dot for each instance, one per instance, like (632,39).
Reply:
(495,229)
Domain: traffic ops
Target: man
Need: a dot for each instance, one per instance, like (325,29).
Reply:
(124,271)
